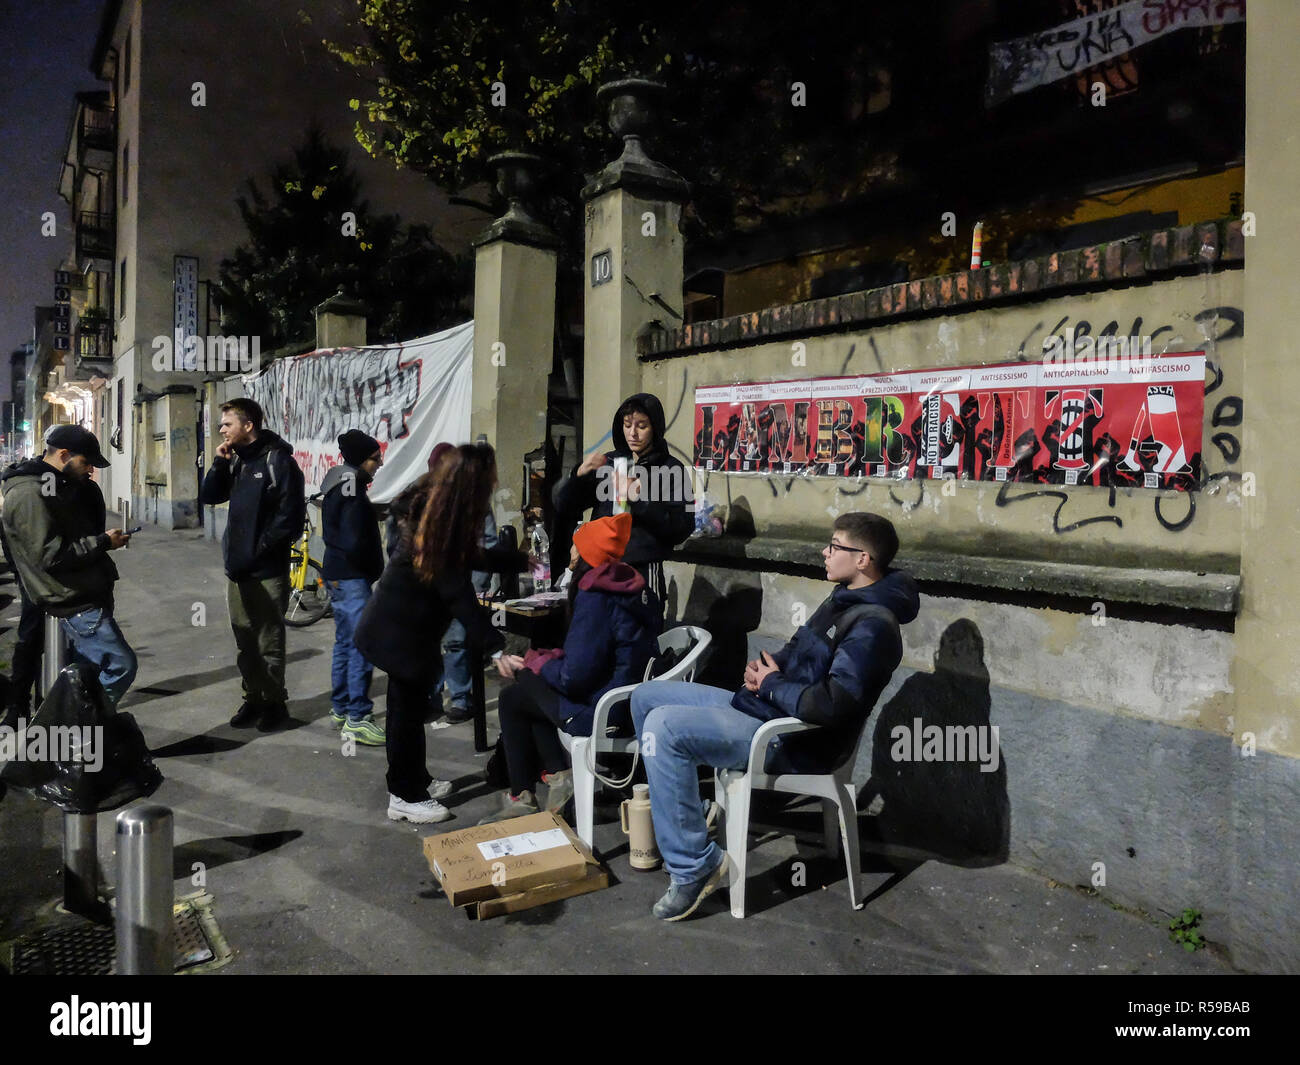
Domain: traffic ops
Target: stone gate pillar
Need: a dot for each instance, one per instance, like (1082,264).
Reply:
(633,262)
(514,327)
(1266,677)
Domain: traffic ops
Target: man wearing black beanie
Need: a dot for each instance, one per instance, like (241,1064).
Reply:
(354,559)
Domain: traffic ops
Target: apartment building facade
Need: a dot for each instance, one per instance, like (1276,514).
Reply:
(197,100)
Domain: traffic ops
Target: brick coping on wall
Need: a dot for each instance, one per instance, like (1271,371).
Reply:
(1141,257)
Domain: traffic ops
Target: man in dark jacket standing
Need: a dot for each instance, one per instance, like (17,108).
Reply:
(256,473)
(54,528)
(354,559)
(830,674)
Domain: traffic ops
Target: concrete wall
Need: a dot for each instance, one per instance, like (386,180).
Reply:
(1119,729)
(1189,313)
(1266,792)
(514,328)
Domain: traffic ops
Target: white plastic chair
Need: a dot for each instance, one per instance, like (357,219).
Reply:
(583,750)
(733,787)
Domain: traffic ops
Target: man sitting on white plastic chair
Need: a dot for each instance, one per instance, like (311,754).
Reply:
(830,674)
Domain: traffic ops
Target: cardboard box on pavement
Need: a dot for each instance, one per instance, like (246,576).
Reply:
(513,865)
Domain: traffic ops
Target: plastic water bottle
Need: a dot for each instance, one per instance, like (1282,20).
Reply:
(541,549)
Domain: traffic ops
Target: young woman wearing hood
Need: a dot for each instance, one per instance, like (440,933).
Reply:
(659,488)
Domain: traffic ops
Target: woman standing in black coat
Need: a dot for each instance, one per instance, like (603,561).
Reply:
(425,585)
(659,493)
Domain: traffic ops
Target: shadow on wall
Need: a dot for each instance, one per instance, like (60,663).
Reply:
(936,761)
(730,614)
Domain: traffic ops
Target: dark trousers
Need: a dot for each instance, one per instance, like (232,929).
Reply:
(257,618)
(530,713)
(27,656)
(408,706)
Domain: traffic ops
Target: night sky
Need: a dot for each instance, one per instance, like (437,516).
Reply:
(47,60)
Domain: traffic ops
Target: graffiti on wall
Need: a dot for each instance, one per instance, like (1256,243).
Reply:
(985,440)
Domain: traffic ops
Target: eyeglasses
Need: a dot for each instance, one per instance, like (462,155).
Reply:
(833,547)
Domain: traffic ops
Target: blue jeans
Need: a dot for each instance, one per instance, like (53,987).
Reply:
(350,672)
(680,727)
(96,638)
(455,665)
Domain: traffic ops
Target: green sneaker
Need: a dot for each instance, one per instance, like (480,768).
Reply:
(365,731)
(337,720)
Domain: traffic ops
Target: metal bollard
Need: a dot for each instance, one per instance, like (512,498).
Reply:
(144,892)
(80,831)
(81,864)
(55,656)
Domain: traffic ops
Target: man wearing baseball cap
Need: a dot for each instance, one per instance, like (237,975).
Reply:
(54,525)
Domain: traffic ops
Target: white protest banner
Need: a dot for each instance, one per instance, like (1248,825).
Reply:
(407,396)
(1041,58)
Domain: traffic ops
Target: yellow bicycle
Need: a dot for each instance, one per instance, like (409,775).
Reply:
(309,599)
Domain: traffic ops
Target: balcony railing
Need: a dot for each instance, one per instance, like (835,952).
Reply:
(96,236)
(94,338)
(98,131)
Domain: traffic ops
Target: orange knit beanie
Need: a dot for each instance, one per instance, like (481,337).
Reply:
(603,540)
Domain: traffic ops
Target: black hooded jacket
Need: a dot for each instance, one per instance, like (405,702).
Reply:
(349,527)
(268,509)
(663,517)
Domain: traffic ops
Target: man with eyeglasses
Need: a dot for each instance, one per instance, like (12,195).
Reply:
(829,674)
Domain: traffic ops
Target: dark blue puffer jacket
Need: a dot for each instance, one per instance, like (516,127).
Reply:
(833,684)
(349,527)
(612,636)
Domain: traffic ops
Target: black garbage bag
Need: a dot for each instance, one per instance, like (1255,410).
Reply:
(78,753)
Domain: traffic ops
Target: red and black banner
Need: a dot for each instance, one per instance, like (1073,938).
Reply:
(1099,423)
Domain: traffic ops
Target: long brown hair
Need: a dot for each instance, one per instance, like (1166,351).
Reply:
(450,505)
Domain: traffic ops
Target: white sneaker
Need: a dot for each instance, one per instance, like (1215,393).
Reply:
(418,813)
(440,789)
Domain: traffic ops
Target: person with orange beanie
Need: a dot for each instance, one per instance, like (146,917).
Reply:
(615,621)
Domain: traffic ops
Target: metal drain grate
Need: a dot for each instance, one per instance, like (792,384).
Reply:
(85,949)
(81,950)
(192,946)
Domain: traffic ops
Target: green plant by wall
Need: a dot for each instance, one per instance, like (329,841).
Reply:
(1186,929)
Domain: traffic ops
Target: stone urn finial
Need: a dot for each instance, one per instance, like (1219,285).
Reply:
(634,105)
(518,183)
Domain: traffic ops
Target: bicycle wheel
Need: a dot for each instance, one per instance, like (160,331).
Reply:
(307,605)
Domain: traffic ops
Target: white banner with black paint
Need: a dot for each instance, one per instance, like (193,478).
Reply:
(407,396)
(1041,58)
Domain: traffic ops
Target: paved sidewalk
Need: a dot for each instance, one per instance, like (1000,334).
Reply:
(308,875)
